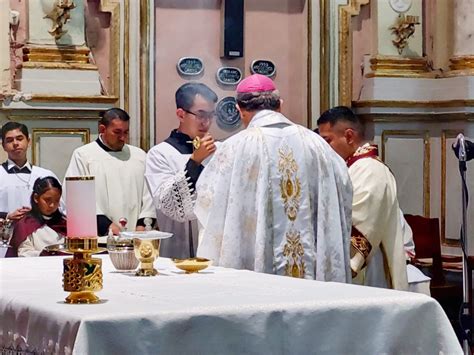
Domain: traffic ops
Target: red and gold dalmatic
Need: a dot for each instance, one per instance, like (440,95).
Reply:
(377,253)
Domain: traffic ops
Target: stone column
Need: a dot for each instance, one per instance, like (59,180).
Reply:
(462,61)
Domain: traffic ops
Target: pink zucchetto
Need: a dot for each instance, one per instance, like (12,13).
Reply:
(256,83)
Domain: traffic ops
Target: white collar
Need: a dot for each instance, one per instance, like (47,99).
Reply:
(11,164)
(268,117)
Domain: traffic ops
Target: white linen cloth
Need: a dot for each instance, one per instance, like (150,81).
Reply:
(275,198)
(218,311)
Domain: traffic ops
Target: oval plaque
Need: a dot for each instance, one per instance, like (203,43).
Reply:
(228,118)
(190,66)
(264,67)
(229,75)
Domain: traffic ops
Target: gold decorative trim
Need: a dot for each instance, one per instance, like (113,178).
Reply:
(462,63)
(309,65)
(324,55)
(37,133)
(80,244)
(345,14)
(57,65)
(403,103)
(144,75)
(389,66)
(69,54)
(290,185)
(76,99)
(126,56)
(113,7)
(293,250)
(360,243)
(426,159)
(445,134)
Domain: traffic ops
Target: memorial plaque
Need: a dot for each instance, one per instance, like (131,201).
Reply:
(190,66)
(229,75)
(264,67)
(228,118)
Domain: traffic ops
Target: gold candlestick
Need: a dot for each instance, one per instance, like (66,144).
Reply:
(82,274)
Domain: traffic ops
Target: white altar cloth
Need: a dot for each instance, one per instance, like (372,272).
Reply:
(219,311)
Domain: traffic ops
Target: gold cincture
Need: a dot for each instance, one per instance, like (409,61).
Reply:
(403,30)
(82,274)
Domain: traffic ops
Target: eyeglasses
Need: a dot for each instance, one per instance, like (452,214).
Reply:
(202,115)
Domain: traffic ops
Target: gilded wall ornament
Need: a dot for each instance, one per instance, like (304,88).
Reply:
(403,30)
(60,14)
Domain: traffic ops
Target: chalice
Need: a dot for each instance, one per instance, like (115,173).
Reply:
(146,246)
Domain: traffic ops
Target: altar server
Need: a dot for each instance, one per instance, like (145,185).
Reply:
(275,197)
(44,225)
(17,175)
(173,168)
(119,170)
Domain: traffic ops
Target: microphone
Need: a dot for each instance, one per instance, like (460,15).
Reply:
(463,149)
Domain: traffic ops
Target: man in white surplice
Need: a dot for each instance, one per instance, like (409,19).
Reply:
(275,197)
(173,168)
(119,170)
(17,175)
(378,255)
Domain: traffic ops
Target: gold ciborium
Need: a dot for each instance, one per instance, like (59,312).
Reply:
(82,274)
(146,246)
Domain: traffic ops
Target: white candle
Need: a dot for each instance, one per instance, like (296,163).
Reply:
(80,206)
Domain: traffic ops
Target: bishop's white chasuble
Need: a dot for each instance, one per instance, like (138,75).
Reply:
(276,198)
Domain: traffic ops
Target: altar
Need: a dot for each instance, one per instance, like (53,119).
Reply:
(216,311)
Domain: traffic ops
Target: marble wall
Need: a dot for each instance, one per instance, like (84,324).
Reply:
(464,27)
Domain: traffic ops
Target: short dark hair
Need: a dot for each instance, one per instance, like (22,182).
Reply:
(10,126)
(257,101)
(186,93)
(111,114)
(341,114)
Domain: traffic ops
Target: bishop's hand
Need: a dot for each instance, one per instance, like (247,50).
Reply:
(206,148)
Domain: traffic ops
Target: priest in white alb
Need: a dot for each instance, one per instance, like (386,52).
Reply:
(118,168)
(275,198)
(378,256)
